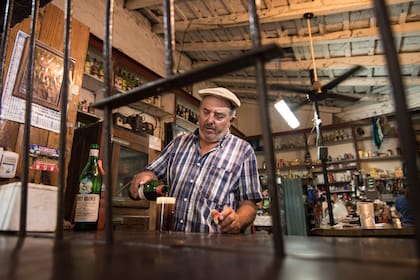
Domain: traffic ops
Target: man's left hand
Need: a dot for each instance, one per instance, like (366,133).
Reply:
(229,221)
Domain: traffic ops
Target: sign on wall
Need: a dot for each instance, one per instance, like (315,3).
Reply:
(47,79)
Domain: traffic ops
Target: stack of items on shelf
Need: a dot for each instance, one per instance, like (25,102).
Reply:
(186,113)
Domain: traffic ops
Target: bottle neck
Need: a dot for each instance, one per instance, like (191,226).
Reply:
(162,190)
(94,153)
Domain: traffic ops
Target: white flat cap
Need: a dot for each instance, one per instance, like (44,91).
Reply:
(221,92)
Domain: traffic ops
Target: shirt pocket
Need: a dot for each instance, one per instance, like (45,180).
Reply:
(217,188)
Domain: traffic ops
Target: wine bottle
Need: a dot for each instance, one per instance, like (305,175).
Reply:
(152,189)
(88,198)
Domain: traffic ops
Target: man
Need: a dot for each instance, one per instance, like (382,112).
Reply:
(211,172)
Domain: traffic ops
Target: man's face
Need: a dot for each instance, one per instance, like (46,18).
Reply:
(214,118)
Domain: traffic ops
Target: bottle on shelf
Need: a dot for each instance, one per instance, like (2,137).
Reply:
(152,189)
(94,70)
(88,198)
(87,65)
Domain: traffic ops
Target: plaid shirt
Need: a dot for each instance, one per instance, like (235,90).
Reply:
(220,178)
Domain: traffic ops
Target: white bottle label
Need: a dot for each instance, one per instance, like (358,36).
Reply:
(87,206)
(141,193)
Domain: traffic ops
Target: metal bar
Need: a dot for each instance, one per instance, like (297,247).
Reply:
(28,113)
(168,23)
(107,54)
(3,44)
(407,138)
(267,134)
(63,123)
(265,53)
(323,156)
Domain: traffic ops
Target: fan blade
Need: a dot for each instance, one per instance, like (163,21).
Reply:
(341,78)
(289,88)
(343,97)
(325,95)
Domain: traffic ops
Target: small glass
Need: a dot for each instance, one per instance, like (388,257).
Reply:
(165,208)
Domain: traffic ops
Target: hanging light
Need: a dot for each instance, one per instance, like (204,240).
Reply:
(286,113)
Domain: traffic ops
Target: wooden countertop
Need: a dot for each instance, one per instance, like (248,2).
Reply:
(151,255)
(380,231)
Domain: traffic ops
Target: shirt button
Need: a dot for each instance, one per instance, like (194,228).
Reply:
(191,181)
(181,221)
(198,164)
(185,199)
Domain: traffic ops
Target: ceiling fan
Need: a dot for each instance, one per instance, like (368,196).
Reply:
(317,91)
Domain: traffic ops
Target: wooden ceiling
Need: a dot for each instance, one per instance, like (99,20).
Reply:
(344,34)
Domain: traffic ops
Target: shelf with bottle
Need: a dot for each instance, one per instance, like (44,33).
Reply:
(186,116)
(83,118)
(149,106)
(287,142)
(186,124)
(381,158)
(338,186)
(127,75)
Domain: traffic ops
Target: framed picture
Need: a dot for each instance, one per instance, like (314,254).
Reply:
(47,76)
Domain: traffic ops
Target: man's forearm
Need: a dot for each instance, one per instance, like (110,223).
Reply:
(246,213)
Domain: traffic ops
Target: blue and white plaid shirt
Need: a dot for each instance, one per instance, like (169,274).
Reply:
(220,178)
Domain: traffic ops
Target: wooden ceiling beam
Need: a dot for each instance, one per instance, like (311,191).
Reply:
(339,37)
(284,13)
(336,63)
(353,82)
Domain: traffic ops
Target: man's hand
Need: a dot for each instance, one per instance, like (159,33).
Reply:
(230,221)
(140,179)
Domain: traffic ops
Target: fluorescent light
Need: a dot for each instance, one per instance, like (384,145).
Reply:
(286,113)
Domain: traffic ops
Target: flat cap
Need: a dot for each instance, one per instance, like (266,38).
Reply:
(221,92)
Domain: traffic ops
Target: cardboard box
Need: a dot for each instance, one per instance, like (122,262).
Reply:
(41,210)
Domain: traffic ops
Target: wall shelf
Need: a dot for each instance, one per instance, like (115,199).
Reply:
(96,86)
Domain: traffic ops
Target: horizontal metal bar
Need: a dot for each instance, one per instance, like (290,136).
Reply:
(152,88)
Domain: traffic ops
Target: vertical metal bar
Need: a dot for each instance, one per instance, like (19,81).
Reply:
(63,122)
(107,55)
(407,139)
(323,156)
(267,135)
(168,23)
(28,113)
(3,44)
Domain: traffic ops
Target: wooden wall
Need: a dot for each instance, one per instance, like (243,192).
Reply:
(49,30)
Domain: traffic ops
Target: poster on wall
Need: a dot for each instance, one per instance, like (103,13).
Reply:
(47,85)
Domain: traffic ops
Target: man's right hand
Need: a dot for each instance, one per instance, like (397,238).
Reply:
(139,179)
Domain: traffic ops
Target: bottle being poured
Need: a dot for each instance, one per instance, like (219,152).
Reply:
(151,190)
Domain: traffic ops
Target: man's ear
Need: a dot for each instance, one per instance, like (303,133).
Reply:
(232,119)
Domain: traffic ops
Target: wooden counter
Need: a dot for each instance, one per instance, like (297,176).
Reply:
(150,255)
(386,231)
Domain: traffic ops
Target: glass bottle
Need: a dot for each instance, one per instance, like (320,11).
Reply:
(88,198)
(153,189)
(87,64)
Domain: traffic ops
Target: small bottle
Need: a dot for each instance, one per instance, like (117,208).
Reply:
(152,189)
(87,64)
(88,198)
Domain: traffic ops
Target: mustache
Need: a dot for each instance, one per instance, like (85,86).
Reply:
(209,126)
